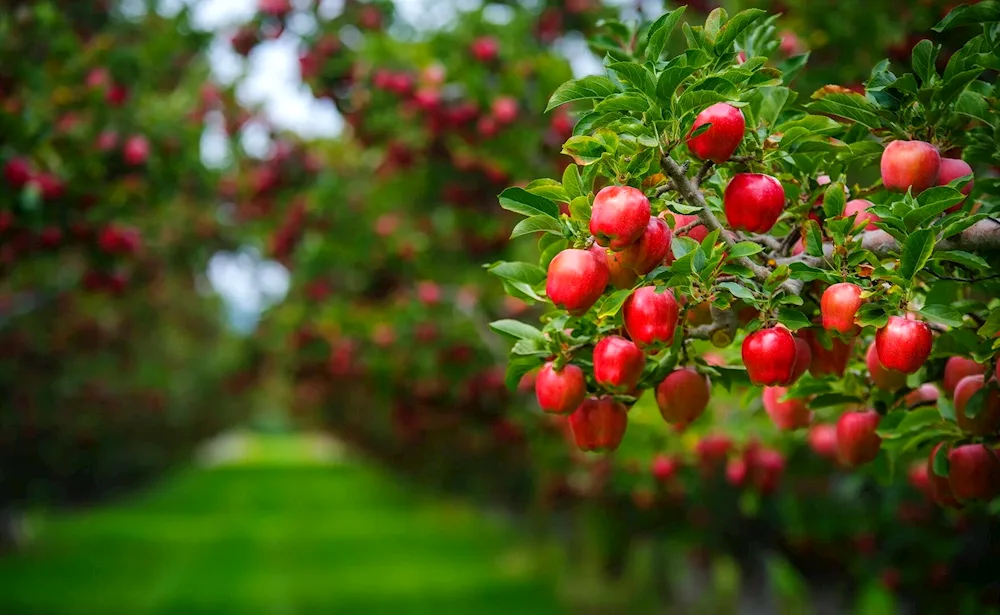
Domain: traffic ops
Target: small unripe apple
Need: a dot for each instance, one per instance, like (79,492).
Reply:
(957,368)
(620,274)
(786,415)
(599,424)
(940,487)
(839,305)
(683,396)
(650,316)
(904,344)
(753,202)
(724,135)
(886,379)
(827,362)
(860,207)
(619,216)
(987,420)
(650,249)
(769,356)
(950,170)
(576,280)
(560,391)
(618,364)
(910,165)
(663,468)
(823,440)
(973,472)
(857,442)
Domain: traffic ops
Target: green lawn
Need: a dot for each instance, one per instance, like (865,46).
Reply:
(301,538)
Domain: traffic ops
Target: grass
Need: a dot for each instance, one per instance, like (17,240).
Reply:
(283,538)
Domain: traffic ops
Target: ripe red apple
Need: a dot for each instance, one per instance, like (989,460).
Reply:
(619,216)
(940,487)
(827,362)
(857,442)
(505,109)
(823,440)
(576,280)
(950,170)
(924,394)
(860,207)
(724,135)
(737,471)
(619,273)
(957,368)
(650,249)
(599,424)
(650,316)
(886,379)
(18,172)
(973,472)
(904,344)
(753,202)
(769,356)
(618,364)
(987,420)
(839,305)
(712,451)
(683,396)
(663,467)
(786,415)
(803,358)
(562,391)
(485,49)
(910,164)
(766,468)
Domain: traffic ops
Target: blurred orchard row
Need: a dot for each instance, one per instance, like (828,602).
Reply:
(118,361)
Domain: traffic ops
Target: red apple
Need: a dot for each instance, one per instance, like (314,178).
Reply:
(860,207)
(910,165)
(650,316)
(576,280)
(485,49)
(619,216)
(803,358)
(650,249)
(786,415)
(951,169)
(683,396)
(940,487)
(957,368)
(973,472)
(599,424)
(724,135)
(737,471)
(925,394)
(663,468)
(904,344)
(562,391)
(753,202)
(839,305)
(823,440)
(766,468)
(712,450)
(618,364)
(857,442)
(987,420)
(698,232)
(827,362)
(620,274)
(505,109)
(769,356)
(18,172)
(886,379)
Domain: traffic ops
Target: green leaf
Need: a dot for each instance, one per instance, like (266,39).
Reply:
(682,246)
(992,325)
(536,224)
(518,272)
(923,58)
(943,314)
(932,203)
(698,100)
(834,200)
(940,462)
(660,31)
(976,403)
(517,367)
(737,290)
(745,248)
(793,319)
(814,238)
(581,89)
(872,315)
(954,86)
(668,81)
(584,150)
(975,106)
(580,209)
(623,102)
(637,75)
(966,259)
(613,303)
(829,400)
(517,330)
(548,188)
(912,421)
(851,106)
(714,23)
(572,184)
(917,251)
(737,25)
(966,15)
(960,225)
(520,201)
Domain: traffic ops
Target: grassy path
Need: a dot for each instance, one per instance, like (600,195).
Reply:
(275,539)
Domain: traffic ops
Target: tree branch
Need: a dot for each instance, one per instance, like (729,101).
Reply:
(724,322)
(704,172)
(772,243)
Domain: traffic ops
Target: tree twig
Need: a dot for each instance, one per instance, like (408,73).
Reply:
(703,172)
